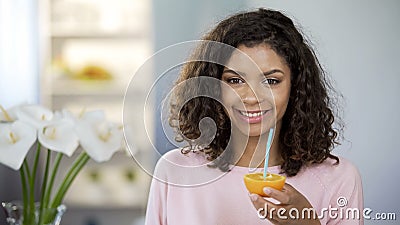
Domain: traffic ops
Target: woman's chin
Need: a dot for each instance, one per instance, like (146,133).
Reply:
(254,131)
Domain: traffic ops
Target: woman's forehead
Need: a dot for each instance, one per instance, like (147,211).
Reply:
(255,59)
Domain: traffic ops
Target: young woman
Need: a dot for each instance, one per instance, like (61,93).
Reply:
(270,79)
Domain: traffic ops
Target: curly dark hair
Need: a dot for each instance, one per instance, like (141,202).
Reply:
(307,134)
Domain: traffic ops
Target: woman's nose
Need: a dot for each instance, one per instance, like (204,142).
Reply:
(253,95)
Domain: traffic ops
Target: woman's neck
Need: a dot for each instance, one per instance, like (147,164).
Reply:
(252,153)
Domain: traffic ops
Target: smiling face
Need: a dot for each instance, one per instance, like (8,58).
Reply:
(255,98)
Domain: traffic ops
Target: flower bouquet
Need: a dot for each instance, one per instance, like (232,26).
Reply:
(60,133)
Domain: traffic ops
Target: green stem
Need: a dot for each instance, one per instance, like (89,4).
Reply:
(32,184)
(44,187)
(50,216)
(24,191)
(25,166)
(79,163)
(52,179)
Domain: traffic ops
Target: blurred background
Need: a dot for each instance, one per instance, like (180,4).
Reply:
(79,54)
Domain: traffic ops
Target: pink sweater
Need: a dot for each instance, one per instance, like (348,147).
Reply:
(196,194)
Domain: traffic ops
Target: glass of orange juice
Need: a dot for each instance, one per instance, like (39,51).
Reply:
(255,182)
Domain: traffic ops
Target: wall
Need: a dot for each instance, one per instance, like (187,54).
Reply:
(18,72)
(19,53)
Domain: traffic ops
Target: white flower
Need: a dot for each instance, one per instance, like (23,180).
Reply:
(91,117)
(8,115)
(20,126)
(35,115)
(99,140)
(15,141)
(59,137)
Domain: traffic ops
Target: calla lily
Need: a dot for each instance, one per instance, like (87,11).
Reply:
(62,132)
(91,117)
(15,141)
(101,140)
(8,115)
(35,115)
(59,137)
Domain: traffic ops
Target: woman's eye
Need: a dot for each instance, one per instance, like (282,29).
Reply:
(270,81)
(235,80)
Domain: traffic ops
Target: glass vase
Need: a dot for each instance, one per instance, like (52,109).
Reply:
(15,214)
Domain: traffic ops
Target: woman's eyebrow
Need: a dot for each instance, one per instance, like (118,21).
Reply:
(273,71)
(234,72)
(244,74)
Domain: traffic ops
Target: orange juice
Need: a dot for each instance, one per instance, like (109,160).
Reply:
(255,182)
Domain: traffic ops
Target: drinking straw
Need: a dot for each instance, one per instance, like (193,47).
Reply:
(271,131)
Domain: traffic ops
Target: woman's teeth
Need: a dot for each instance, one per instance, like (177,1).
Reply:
(244,113)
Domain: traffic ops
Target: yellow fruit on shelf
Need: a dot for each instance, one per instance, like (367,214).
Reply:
(93,72)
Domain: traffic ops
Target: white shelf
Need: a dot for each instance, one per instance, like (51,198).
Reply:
(97,35)
(95,88)
(112,189)
(118,39)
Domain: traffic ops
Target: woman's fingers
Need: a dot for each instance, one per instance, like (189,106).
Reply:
(264,208)
(257,200)
(261,205)
(282,197)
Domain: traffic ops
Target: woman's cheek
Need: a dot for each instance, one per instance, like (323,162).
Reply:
(281,103)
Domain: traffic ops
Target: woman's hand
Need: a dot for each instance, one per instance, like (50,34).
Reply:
(289,211)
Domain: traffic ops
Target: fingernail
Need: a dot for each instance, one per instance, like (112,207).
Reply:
(253,197)
(267,190)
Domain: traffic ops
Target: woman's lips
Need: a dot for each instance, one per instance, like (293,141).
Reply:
(254,116)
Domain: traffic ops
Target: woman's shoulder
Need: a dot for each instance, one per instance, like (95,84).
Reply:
(179,157)
(334,175)
(178,168)
(176,159)
(336,167)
